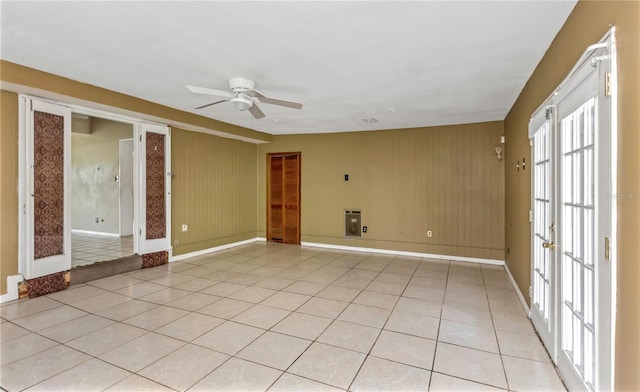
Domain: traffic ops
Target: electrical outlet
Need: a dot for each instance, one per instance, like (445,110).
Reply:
(364,229)
(429,234)
(185,228)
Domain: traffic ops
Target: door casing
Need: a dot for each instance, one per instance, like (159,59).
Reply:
(125,187)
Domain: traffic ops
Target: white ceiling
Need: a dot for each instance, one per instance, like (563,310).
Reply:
(406,64)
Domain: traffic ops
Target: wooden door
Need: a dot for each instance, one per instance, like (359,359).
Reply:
(283,197)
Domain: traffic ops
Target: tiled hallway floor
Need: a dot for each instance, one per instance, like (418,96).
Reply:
(277,317)
(89,248)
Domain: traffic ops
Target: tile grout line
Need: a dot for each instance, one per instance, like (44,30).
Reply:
(318,269)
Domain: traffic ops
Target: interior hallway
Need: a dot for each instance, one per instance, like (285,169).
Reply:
(268,316)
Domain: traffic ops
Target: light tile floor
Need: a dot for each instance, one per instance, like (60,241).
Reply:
(278,317)
(89,249)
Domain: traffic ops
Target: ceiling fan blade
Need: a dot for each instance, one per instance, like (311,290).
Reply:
(209,91)
(211,104)
(256,112)
(275,101)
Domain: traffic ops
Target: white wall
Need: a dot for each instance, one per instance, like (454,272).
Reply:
(95,163)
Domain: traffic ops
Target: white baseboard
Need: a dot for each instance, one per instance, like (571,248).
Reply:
(12,288)
(100,233)
(342,247)
(404,253)
(517,290)
(211,250)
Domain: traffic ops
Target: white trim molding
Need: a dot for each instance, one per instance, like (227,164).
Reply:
(211,250)
(12,288)
(404,253)
(100,233)
(523,302)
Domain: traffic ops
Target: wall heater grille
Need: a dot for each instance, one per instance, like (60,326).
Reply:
(353,223)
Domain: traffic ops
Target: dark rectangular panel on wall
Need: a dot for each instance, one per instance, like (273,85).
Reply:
(48,184)
(155,184)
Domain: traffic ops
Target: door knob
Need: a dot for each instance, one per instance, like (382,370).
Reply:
(549,245)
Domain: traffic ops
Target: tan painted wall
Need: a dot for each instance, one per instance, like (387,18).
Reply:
(94,164)
(8,187)
(443,179)
(213,191)
(586,25)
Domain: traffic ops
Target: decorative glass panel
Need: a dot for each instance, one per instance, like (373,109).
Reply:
(48,185)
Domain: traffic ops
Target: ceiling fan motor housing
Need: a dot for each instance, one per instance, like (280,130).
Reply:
(241,84)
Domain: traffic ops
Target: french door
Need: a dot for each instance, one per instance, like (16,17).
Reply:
(543,276)
(153,179)
(44,225)
(45,167)
(572,211)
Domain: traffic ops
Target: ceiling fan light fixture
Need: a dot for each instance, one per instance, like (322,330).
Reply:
(241,102)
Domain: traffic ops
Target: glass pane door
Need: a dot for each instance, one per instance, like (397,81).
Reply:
(578,239)
(543,256)
(572,204)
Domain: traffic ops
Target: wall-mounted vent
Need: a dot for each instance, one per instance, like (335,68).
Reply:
(353,223)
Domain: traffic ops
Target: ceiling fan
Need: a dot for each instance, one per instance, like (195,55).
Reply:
(243,95)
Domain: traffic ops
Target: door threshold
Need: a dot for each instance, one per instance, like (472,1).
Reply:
(103,269)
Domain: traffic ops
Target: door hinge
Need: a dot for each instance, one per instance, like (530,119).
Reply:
(530,292)
(607,248)
(140,233)
(607,84)
(530,215)
(140,137)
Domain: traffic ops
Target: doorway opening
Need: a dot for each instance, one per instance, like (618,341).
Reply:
(101,189)
(140,190)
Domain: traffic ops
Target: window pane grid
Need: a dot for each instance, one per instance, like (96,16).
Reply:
(578,241)
(542,219)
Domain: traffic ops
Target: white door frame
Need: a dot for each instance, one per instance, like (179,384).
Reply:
(125,176)
(23,169)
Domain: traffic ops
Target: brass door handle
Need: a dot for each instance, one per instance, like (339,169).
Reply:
(549,245)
